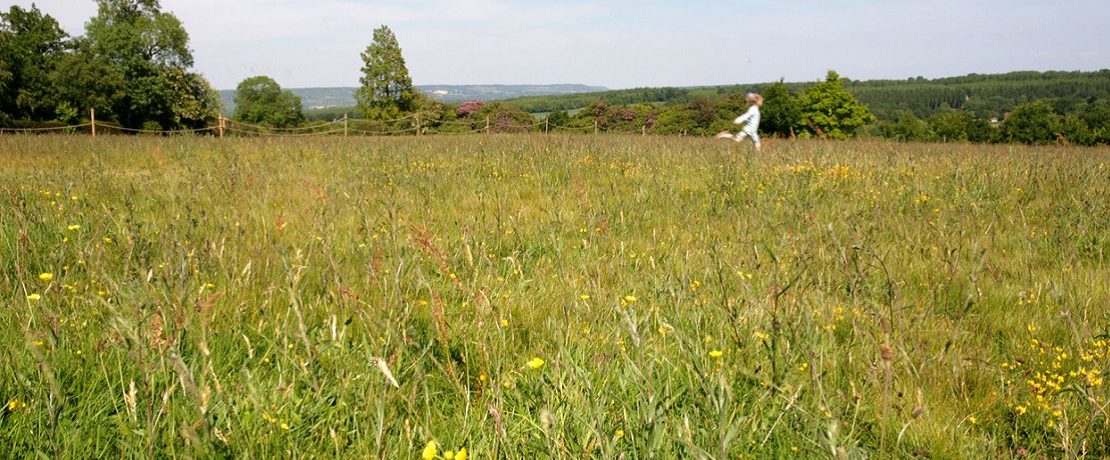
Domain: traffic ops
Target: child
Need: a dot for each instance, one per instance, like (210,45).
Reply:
(750,120)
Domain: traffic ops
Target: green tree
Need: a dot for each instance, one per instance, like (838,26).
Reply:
(31,45)
(145,53)
(951,125)
(386,90)
(260,100)
(1074,130)
(557,119)
(781,112)
(1032,123)
(831,111)
(909,128)
(675,119)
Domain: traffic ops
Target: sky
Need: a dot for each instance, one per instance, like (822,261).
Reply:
(631,43)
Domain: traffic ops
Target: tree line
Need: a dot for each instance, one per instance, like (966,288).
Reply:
(133,65)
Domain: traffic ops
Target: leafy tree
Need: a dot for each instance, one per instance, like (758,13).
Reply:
(145,53)
(1032,123)
(193,100)
(31,45)
(557,118)
(260,100)
(1097,117)
(677,119)
(1074,130)
(830,110)
(387,90)
(781,112)
(981,130)
(909,128)
(951,125)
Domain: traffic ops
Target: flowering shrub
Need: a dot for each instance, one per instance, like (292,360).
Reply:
(469,108)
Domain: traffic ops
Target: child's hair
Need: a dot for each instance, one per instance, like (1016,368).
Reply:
(755,98)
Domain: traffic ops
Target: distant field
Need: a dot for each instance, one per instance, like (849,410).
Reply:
(526,296)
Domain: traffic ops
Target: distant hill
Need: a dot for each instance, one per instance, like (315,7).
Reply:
(321,98)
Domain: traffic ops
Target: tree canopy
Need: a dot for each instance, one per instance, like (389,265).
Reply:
(386,90)
(31,46)
(831,111)
(260,100)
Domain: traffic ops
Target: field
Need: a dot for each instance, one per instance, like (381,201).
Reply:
(571,296)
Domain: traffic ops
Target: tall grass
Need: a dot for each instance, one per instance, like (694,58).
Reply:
(574,296)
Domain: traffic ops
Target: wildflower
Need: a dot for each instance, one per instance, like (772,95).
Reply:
(15,404)
(34,297)
(535,363)
(630,298)
(716,353)
(46,276)
(584,297)
(284,426)
(972,420)
(73,228)
(461,454)
(504,323)
(430,451)
(618,434)
(107,240)
(449,455)
(1021,410)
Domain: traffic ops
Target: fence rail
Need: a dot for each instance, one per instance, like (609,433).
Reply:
(340,127)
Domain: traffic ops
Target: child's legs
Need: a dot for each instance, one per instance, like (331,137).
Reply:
(749,132)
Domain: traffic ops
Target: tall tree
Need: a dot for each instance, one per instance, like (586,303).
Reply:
(1032,123)
(781,113)
(830,110)
(260,100)
(31,45)
(146,53)
(387,89)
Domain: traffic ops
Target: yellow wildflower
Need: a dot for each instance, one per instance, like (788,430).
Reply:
(430,451)
(34,297)
(461,454)
(73,228)
(535,363)
(46,276)
(716,353)
(630,298)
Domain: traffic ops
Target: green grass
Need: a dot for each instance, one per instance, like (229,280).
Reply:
(234,297)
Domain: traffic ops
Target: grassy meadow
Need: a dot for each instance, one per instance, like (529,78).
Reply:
(533,296)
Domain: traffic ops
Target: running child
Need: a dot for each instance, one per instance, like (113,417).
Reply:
(750,120)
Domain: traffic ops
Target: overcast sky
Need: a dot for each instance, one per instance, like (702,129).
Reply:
(623,44)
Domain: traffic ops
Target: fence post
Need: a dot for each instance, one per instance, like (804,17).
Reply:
(487,124)
(221,126)
(92,121)
(545,121)
(344,125)
(643,130)
(417,116)
(595,126)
